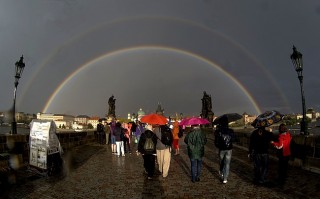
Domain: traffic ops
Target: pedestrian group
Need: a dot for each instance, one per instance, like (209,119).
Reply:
(156,149)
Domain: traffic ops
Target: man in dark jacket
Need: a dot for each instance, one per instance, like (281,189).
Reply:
(148,154)
(260,140)
(224,137)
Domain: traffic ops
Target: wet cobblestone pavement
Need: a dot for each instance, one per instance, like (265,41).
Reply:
(91,171)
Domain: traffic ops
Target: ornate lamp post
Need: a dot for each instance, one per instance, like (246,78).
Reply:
(19,69)
(296,58)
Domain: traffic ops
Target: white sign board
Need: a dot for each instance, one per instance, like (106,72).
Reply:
(43,142)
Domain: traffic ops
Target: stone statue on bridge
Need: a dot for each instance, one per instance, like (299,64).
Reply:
(206,111)
(112,107)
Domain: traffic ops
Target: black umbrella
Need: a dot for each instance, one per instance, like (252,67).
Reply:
(267,118)
(231,117)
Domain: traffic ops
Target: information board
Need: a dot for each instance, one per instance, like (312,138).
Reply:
(43,142)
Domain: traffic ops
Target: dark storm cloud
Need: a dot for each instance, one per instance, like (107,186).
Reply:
(251,40)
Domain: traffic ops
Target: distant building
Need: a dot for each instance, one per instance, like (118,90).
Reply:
(94,121)
(30,117)
(64,117)
(24,117)
(248,119)
(20,116)
(61,120)
(140,114)
(62,124)
(159,110)
(77,126)
(1,118)
(45,116)
(82,119)
(300,116)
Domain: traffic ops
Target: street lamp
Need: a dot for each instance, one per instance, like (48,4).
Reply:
(296,58)
(19,69)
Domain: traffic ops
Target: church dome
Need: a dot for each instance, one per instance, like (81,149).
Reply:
(141,112)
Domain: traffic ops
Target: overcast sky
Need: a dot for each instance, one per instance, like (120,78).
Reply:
(78,53)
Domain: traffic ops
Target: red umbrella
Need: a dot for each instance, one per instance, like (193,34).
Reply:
(193,121)
(154,119)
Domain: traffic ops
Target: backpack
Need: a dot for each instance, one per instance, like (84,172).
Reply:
(148,145)
(166,136)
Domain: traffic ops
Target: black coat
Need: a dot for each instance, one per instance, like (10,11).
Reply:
(260,141)
(118,133)
(224,138)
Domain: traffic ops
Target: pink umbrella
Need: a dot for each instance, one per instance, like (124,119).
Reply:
(193,121)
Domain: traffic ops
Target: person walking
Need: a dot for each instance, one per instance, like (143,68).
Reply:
(163,149)
(175,132)
(148,151)
(283,145)
(224,137)
(195,140)
(119,134)
(260,140)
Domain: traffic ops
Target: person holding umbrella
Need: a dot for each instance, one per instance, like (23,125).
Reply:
(164,135)
(163,149)
(260,140)
(148,151)
(224,137)
(195,140)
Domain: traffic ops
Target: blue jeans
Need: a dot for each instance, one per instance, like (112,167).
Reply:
(196,166)
(225,159)
(261,163)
